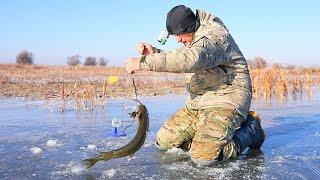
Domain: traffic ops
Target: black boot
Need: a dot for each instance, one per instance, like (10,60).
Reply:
(250,134)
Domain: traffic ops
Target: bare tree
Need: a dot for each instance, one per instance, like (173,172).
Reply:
(277,66)
(257,63)
(73,60)
(90,61)
(103,61)
(290,67)
(25,57)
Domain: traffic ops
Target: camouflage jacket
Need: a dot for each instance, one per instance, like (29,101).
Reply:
(221,77)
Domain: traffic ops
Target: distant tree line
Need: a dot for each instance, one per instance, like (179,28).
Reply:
(257,63)
(74,60)
(261,63)
(27,58)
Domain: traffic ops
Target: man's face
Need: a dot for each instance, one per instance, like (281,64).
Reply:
(186,38)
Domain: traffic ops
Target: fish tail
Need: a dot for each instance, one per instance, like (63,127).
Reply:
(89,162)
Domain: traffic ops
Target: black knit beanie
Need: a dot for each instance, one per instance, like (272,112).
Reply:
(180,20)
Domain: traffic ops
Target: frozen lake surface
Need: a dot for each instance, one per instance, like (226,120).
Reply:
(41,143)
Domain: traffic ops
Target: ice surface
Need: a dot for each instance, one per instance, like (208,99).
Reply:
(291,150)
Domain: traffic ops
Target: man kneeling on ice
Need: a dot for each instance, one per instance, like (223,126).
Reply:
(215,124)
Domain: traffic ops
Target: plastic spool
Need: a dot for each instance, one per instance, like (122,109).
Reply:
(116,123)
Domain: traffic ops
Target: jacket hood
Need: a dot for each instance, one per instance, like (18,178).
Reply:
(206,23)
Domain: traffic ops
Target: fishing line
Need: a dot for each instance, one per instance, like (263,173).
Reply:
(135,92)
(127,127)
(135,88)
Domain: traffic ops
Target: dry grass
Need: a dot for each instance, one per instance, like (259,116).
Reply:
(87,87)
(280,83)
(84,87)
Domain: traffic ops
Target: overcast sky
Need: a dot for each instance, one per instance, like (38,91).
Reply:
(281,31)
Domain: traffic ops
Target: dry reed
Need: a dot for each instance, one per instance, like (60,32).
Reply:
(86,88)
(281,84)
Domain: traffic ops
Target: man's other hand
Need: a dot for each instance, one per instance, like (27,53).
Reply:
(145,49)
(132,65)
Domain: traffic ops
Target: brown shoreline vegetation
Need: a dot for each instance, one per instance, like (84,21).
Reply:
(83,87)
(87,86)
(281,83)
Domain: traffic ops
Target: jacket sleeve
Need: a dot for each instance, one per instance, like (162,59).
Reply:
(203,54)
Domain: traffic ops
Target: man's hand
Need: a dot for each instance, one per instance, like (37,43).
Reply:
(132,65)
(145,49)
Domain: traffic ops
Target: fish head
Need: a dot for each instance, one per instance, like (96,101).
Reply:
(139,112)
(141,109)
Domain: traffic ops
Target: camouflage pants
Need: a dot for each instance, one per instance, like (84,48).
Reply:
(207,134)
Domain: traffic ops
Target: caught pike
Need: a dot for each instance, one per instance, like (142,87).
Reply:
(140,115)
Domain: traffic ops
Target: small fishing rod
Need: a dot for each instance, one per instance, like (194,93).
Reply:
(136,100)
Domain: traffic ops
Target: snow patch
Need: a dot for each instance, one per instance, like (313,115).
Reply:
(219,172)
(177,151)
(77,169)
(223,172)
(173,167)
(146,145)
(68,152)
(129,158)
(71,168)
(108,173)
(53,143)
(92,147)
(279,159)
(36,150)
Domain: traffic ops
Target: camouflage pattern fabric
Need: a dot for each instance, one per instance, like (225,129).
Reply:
(207,133)
(221,77)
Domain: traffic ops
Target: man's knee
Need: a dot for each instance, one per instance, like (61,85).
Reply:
(168,138)
(207,153)
(164,139)
(176,130)
(213,140)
